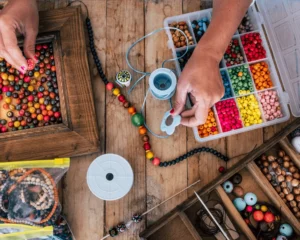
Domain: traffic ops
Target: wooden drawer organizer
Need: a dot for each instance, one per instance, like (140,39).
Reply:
(180,223)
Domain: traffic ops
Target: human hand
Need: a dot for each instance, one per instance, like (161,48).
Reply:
(201,78)
(18,16)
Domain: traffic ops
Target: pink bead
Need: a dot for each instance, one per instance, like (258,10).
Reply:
(262,100)
(268,107)
(267,116)
(272,100)
(109,86)
(271,117)
(276,104)
(275,114)
(4,89)
(279,112)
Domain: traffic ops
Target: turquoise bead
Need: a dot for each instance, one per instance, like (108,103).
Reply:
(228,186)
(137,119)
(250,199)
(286,230)
(239,204)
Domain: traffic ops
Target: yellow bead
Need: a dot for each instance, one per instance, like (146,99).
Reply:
(48,107)
(36,105)
(31,110)
(17,124)
(33,82)
(41,100)
(30,88)
(11,78)
(40,117)
(36,74)
(149,155)
(30,104)
(116,91)
(4,76)
(12,107)
(8,100)
(247,124)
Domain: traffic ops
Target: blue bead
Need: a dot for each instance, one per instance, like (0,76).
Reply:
(250,199)
(205,19)
(193,26)
(239,204)
(8,94)
(228,186)
(286,230)
(199,33)
(204,27)
(280,237)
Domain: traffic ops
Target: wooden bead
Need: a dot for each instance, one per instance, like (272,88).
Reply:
(297,198)
(271,158)
(281,195)
(131,110)
(142,130)
(295,182)
(295,209)
(286,191)
(281,153)
(278,189)
(296,191)
(288,178)
(145,138)
(137,119)
(238,191)
(269,177)
(126,104)
(286,158)
(265,170)
(292,169)
(149,155)
(278,171)
(296,175)
(280,178)
(283,173)
(283,185)
(116,91)
(292,203)
(263,157)
(147,146)
(298,214)
(286,164)
(290,197)
(265,164)
(274,165)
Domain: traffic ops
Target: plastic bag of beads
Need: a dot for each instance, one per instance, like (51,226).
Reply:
(20,232)
(28,192)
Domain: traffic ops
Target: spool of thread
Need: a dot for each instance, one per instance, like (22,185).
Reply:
(162,83)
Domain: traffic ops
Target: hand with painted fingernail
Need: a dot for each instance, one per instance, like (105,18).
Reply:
(202,80)
(18,17)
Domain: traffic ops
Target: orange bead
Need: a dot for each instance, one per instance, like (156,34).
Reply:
(131,110)
(142,130)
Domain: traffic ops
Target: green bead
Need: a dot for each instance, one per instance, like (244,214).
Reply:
(137,119)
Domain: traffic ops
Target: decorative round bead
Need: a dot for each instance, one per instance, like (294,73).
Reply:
(142,130)
(137,119)
(156,161)
(236,179)
(286,230)
(137,218)
(121,98)
(239,204)
(147,146)
(126,104)
(249,209)
(280,237)
(228,186)
(269,217)
(113,232)
(109,86)
(131,110)
(149,155)
(258,215)
(250,199)
(222,169)
(121,227)
(116,91)
(145,138)
(264,208)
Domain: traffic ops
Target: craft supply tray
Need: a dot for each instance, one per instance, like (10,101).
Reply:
(277,23)
(182,221)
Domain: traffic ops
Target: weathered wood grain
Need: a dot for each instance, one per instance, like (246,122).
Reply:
(125,23)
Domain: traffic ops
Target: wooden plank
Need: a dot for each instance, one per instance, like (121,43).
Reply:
(158,180)
(125,24)
(234,214)
(190,226)
(273,196)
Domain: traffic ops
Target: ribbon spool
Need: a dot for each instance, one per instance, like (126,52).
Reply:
(162,83)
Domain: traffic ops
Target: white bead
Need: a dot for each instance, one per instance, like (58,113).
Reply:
(296,143)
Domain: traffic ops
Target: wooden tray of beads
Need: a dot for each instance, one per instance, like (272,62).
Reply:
(49,112)
(271,172)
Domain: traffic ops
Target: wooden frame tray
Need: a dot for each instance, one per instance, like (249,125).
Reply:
(249,170)
(78,133)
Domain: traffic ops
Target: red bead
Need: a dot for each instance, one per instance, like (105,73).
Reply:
(156,161)
(38,47)
(46,118)
(147,146)
(40,95)
(30,64)
(3,129)
(57,114)
(27,79)
(121,98)
(109,86)
(30,98)
(221,169)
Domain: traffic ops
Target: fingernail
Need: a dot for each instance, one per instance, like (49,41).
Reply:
(35,57)
(23,68)
(172,111)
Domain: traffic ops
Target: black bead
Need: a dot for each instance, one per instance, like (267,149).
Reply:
(165,164)
(173,162)
(177,160)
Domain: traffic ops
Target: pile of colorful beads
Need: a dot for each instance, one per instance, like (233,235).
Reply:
(249,109)
(183,61)
(199,27)
(233,54)
(261,75)
(241,80)
(253,47)
(228,114)
(226,84)
(31,100)
(270,104)
(209,127)
(178,38)
(246,25)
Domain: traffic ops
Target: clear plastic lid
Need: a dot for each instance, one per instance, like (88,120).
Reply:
(281,19)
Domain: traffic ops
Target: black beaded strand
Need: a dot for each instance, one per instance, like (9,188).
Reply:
(192,152)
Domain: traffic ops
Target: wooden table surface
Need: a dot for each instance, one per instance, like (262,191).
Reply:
(117,24)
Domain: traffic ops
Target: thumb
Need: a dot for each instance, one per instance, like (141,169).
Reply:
(29,44)
(180,99)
